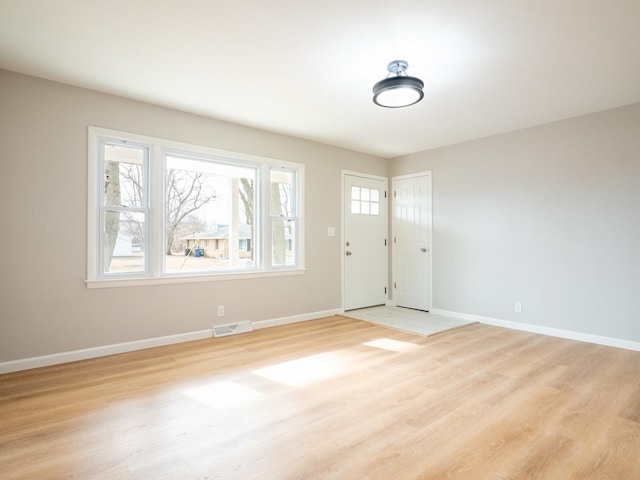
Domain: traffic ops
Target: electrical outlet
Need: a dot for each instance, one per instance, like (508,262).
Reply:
(221,310)
(517,307)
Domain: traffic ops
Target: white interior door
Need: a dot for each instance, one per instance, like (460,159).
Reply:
(365,241)
(412,241)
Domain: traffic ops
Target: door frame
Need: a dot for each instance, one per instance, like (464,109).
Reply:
(343,174)
(392,216)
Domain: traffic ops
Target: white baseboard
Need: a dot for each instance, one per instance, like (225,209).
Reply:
(295,318)
(554,332)
(75,355)
(102,351)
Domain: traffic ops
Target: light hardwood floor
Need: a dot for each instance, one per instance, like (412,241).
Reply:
(333,398)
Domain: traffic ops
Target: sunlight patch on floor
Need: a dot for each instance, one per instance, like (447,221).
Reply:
(392,345)
(224,394)
(306,370)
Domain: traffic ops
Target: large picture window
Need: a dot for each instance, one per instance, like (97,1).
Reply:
(162,211)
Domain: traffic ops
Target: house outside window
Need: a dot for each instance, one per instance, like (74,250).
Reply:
(159,209)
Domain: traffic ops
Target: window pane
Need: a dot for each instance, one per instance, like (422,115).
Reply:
(281,193)
(365,208)
(365,194)
(123,242)
(355,193)
(283,242)
(355,207)
(208,201)
(375,209)
(123,181)
(375,195)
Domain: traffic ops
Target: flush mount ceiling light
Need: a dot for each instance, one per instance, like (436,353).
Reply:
(399,91)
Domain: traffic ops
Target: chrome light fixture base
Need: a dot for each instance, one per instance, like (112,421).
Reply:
(399,91)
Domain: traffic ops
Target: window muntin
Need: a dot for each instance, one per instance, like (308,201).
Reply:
(223,195)
(365,201)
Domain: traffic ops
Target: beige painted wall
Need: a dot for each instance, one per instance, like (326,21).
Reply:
(549,216)
(45,307)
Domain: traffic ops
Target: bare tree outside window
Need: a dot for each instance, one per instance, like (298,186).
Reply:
(122,201)
(133,187)
(247,194)
(187,192)
(282,224)
(112,219)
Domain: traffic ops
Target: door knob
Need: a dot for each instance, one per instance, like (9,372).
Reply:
(347,253)
(423,249)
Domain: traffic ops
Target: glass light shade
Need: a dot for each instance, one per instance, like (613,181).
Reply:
(396,92)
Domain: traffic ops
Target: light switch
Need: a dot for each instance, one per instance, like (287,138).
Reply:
(331,231)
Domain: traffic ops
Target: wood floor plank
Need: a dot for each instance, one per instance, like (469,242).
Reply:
(334,398)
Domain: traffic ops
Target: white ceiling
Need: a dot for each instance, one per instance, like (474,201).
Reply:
(306,68)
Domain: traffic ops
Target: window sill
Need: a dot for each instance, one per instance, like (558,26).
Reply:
(166,280)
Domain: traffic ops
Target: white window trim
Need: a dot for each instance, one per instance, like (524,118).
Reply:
(159,147)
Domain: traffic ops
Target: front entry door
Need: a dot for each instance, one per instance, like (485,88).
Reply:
(412,238)
(365,241)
